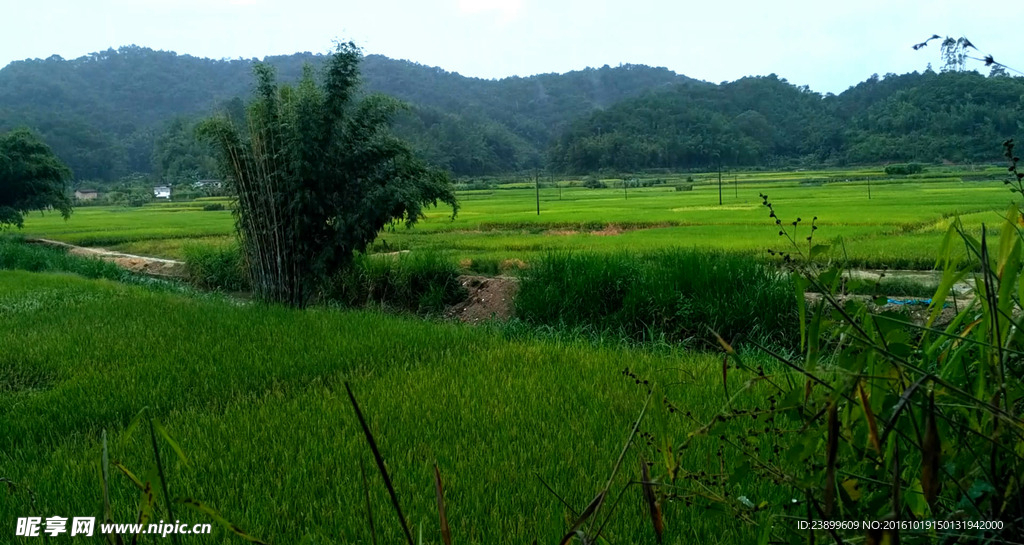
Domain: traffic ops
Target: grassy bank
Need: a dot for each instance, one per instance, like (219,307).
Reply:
(15,254)
(422,282)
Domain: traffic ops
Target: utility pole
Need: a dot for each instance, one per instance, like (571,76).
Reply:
(869,189)
(736,184)
(536,181)
(624,194)
(719,180)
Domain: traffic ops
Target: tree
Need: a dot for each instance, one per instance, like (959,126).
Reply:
(31,178)
(318,174)
(954,54)
(178,158)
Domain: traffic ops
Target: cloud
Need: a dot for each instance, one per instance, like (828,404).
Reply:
(506,10)
(182,5)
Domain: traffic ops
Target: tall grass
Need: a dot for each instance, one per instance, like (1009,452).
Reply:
(216,267)
(680,296)
(422,282)
(16,254)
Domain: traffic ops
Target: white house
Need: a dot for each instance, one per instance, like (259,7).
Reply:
(162,192)
(207,184)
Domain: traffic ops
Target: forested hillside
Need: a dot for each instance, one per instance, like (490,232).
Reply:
(765,121)
(131,110)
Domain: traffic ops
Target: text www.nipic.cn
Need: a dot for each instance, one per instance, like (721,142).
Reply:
(86,526)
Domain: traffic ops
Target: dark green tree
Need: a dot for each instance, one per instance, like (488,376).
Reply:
(179,158)
(31,178)
(318,174)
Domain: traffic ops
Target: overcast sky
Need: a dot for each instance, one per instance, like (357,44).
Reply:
(828,45)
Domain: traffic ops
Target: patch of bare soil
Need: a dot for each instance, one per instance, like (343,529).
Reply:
(490,297)
(610,230)
(151,266)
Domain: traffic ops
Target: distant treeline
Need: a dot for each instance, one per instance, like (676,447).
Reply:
(120,112)
(764,121)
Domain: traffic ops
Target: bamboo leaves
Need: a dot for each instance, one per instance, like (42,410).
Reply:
(317,175)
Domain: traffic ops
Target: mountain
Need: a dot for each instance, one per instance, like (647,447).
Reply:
(105,113)
(131,110)
(765,121)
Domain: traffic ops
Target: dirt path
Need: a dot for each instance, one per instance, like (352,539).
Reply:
(489,297)
(152,266)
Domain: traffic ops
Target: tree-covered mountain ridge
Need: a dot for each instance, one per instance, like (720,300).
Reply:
(130,110)
(105,113)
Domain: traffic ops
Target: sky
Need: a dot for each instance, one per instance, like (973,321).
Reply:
(826,45)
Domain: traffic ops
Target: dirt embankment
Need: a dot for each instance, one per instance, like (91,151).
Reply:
(152,266)
(490,297)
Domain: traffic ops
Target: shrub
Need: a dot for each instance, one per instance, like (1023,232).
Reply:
(593,183)
(214,206)
(904,170)
(216,267)
(130,200)
(487,266)
(421,282)
(684,187)
(680,295)
(475,185)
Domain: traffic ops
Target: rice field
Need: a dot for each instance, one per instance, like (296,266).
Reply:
(898,226)
(254,397)
(524,428)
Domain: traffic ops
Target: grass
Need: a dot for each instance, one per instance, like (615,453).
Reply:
(897,227)
(254,396)
(424,283)
(16,255)
(678,296)
(218,267)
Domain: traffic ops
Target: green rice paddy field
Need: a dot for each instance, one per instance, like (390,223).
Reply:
(254,394)
(255,398)
(899,226)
